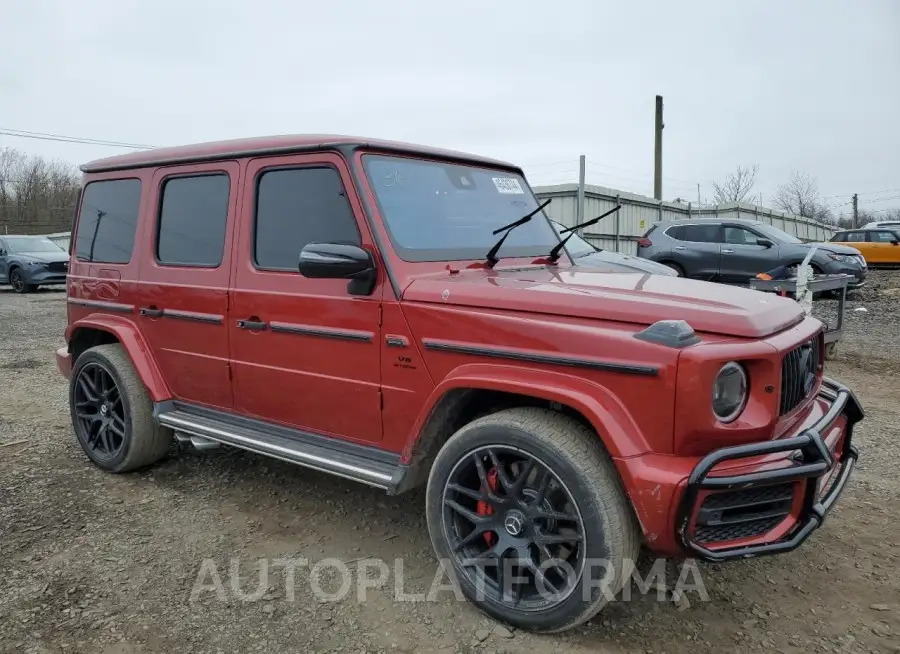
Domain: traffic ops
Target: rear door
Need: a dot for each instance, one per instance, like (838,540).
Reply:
(742,257)
(184,278)
(696,248)
(858,239)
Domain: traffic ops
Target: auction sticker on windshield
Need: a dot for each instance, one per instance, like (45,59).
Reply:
(507,185)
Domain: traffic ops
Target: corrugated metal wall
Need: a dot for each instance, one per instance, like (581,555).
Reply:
(621,230)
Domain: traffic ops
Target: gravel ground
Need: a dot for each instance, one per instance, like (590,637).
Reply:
(96,562)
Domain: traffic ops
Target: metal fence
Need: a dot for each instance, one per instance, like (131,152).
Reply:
(620,231)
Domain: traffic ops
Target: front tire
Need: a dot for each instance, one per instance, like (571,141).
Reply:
(112,413)
(17,281)
(528,510)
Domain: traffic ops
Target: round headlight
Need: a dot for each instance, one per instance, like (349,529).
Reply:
(729,392)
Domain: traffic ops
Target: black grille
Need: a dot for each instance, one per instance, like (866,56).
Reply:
(799,370)
(730,515)
(58,266)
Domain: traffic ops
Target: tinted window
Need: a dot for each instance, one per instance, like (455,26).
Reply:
(675,232)
(856,237)
(701,233)
(299,206)
(740,236)
(838,238)
(109,215)
(437,211)
(882,237)
(193,215)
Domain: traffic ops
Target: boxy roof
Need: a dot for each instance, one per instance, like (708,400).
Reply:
(268,145)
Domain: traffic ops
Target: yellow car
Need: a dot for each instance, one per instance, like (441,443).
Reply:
(878,246)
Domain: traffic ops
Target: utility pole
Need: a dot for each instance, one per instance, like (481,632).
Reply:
(855,211)
(657,163)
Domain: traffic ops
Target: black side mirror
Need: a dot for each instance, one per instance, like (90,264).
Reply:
(895,242)
(340,261)
(766,243)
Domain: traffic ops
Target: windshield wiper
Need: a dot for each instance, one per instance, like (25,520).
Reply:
(492,254)
(554,253)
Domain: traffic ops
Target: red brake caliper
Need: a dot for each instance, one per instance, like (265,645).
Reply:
(484,508)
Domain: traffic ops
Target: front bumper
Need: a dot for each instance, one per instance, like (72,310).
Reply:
(858,273)
(818,474)
(40,275)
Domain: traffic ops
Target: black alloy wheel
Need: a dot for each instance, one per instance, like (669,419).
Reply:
(99,411)
(17,281)
(513,528)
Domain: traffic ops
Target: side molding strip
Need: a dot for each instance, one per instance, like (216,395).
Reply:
(553,359)
(100,304)
(324,332)
(194,316)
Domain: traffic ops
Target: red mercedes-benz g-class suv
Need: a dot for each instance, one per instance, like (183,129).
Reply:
(401,315)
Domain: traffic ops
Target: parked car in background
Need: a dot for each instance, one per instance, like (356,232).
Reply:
(881,224)
(878,246)
(733,251)
(27,262)
(584,253)
(61,239)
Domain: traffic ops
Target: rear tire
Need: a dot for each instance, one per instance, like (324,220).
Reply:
(591,518)
(674,266)
(112,413)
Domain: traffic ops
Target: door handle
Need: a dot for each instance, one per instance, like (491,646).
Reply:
(680,247)
(727,251)
(252,323)
(151,312)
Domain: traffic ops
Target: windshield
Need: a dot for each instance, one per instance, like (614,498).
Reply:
(576,245)
(776,234)
(21,244)
(436,211)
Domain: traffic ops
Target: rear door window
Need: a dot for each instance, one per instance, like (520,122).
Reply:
(193,215)
(108,219)
(702,233)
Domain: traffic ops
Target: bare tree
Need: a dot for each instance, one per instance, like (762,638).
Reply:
(36,194)
(736,186)
(800,196)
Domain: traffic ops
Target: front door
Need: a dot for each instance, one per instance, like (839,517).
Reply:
(305,353)
(742,257)
(882,247)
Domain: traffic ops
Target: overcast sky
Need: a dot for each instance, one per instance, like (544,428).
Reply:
(810,85)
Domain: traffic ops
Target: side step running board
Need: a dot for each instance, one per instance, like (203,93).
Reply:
(379,468)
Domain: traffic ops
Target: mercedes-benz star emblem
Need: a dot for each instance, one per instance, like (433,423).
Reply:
(513,524)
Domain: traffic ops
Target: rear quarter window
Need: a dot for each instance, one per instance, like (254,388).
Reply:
(108,220)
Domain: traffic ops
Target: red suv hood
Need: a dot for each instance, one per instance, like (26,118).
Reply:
(621,297)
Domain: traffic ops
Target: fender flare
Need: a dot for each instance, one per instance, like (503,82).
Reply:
(128,334)
(613,423)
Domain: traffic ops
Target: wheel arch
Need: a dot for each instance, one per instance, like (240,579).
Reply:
(478,389)
(100,329)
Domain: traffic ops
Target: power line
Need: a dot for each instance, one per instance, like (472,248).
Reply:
(62,138)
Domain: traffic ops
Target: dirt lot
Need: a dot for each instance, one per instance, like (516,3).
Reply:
(96,562)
